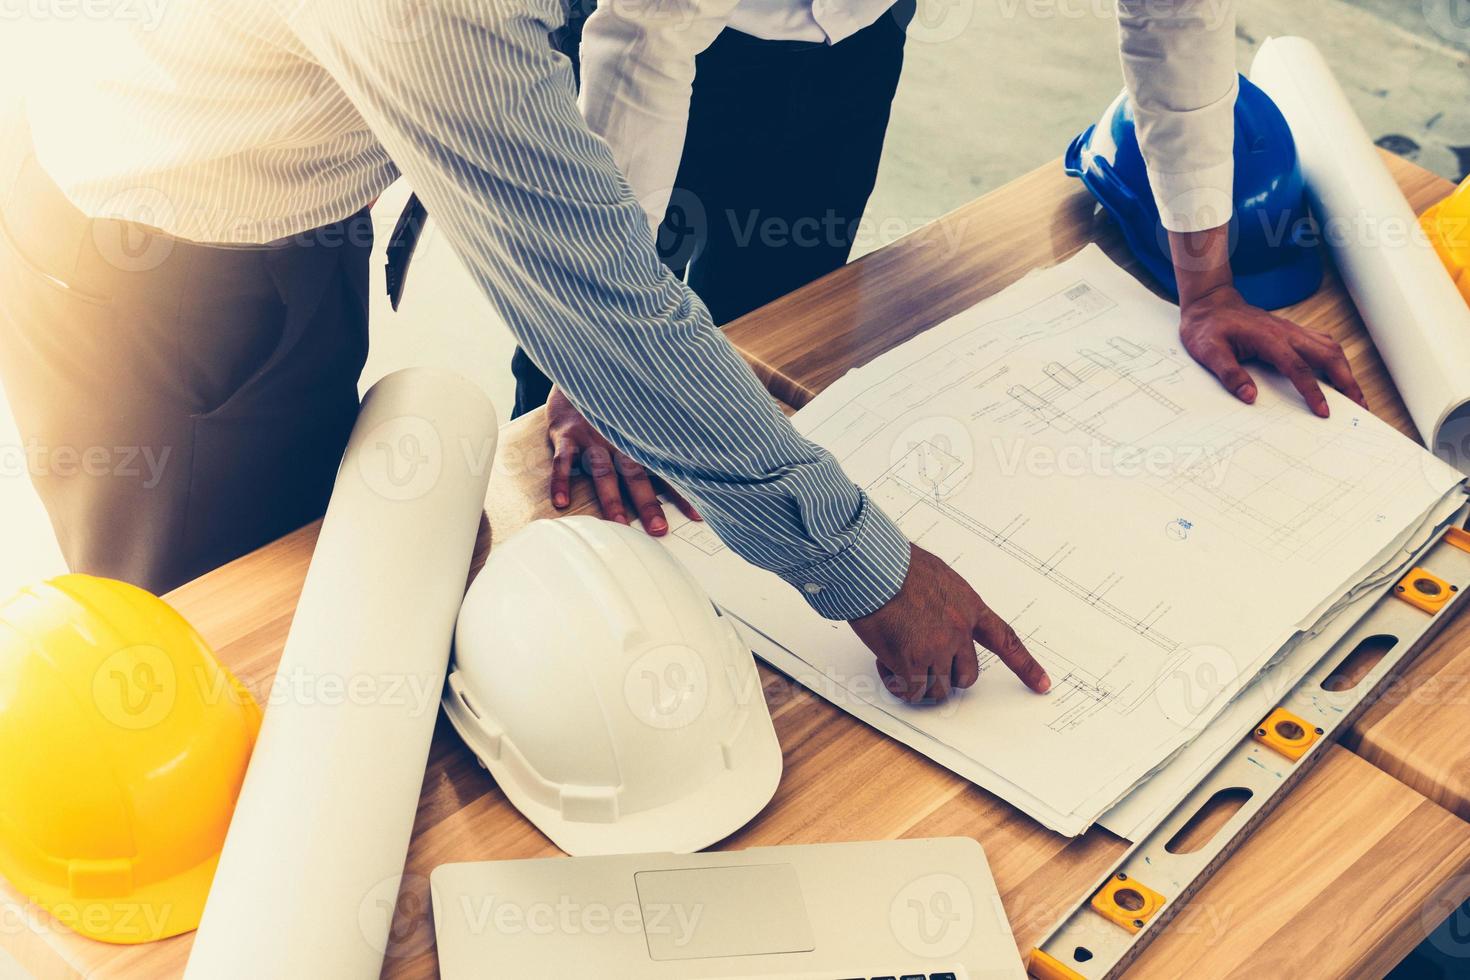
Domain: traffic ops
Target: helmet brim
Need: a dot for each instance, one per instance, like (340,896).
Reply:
(691,823)
(156,911)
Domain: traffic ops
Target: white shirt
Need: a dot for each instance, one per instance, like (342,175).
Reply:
(1178,63)
(252,120)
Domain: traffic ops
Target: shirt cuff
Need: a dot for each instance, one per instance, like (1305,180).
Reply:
(1198,200)
(862,578)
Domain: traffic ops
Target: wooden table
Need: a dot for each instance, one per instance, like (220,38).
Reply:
(1343,880)
(1419,731)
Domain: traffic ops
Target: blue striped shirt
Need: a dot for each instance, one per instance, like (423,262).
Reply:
(237,121)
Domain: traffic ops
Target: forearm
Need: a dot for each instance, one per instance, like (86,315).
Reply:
(479,114)
(1179,65)
(637,79)
(1201,262)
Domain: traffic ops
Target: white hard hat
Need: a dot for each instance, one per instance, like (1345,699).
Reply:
(612,702)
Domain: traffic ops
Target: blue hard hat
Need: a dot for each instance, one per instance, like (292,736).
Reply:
(1275,251)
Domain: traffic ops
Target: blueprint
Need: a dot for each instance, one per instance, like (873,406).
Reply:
(1150,803)
(1132,521)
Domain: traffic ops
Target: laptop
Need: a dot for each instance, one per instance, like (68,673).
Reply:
(896,910)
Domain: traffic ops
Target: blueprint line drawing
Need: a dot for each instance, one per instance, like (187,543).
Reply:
(1048,566)
(1132,521)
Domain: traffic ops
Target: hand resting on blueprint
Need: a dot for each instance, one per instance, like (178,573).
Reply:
(925,636)
(1220,329)
(575,443)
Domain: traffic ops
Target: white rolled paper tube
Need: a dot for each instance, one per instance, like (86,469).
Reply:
(309,874)
(1418,320)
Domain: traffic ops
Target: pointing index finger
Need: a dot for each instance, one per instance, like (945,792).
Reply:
(995,635)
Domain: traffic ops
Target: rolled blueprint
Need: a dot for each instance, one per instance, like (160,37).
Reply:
(1418,321)
(309,876)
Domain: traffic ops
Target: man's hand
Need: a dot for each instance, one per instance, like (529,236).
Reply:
(925,636)
(574,440)
(1220,329)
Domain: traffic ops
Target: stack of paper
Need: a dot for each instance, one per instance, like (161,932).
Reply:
(1155,542)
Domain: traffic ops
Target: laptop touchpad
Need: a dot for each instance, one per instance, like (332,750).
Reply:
(738,910)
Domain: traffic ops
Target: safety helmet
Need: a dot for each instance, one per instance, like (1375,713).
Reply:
(612,702)
(123,742)
(1275,250)
(1448,226)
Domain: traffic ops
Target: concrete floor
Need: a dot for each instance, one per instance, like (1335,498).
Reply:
(1009,92)
(991,89)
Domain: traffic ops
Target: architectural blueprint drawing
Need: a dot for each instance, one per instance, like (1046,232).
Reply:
(1131,520)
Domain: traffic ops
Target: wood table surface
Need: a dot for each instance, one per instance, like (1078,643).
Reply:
(1419,731)
(1341,881)
(804,341)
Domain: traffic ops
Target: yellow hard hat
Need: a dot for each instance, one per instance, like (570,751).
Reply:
(123,742)
(1448,226)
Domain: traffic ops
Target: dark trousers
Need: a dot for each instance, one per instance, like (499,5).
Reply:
(179,405)
(780,158)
